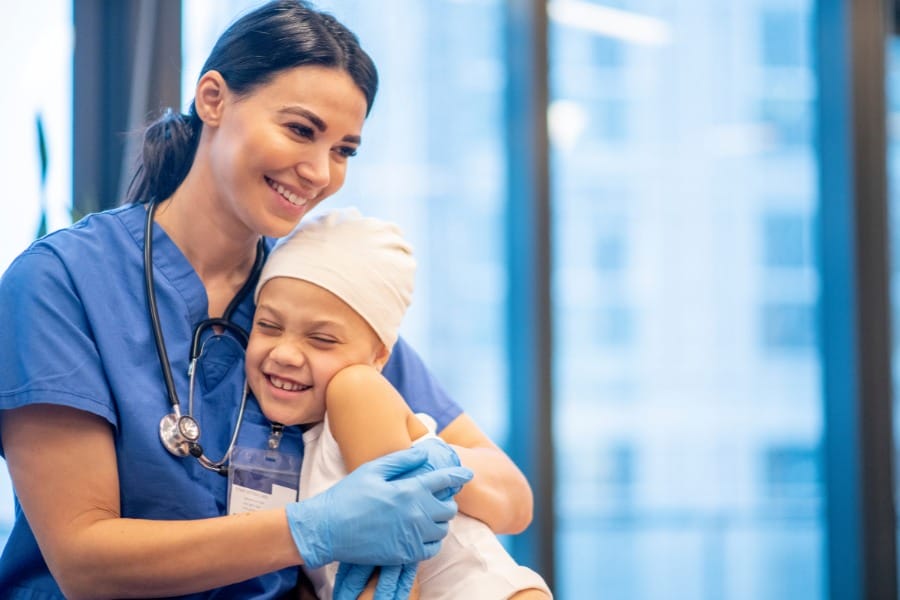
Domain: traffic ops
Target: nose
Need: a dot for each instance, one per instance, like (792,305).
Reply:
(288,355)
(315,169)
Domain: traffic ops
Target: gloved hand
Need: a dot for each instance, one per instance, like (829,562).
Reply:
(377,516)
(394,582)
(440,456)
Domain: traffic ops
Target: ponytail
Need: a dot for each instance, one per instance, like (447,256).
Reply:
(170,143)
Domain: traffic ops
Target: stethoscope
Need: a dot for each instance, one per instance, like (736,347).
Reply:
(179,433)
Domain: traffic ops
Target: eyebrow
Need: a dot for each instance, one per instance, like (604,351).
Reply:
(327,323)
(317,122)
(260,308)
(316,323)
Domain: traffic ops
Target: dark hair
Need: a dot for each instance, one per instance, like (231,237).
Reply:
(277,36)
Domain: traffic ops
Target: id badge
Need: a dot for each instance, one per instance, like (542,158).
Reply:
(260,479)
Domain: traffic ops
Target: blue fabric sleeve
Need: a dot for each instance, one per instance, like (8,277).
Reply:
(49,354)
(406,372)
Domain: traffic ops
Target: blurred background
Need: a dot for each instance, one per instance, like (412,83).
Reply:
(653,248)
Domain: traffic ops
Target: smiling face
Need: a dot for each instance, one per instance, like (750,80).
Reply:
(302,335)
(275,153)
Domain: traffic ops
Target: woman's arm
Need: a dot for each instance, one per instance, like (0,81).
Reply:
(63,466)
(499,494)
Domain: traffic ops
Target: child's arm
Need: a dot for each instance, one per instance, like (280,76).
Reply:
(369,418)
(499,494)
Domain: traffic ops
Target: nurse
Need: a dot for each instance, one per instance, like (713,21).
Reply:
(103,508)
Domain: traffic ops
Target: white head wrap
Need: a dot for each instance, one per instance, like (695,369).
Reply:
(363,261)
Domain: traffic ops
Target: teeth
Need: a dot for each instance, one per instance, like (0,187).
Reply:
(287,194)
(287,385)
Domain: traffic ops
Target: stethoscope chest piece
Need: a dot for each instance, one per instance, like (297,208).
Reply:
(179,433)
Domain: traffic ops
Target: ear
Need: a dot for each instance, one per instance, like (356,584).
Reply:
(381,357)
(209,99)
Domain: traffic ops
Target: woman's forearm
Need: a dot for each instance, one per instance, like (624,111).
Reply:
(120,558)
(499,494)
(68,488)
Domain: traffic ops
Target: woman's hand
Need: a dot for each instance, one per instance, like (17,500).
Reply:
(394,582)
(375,515)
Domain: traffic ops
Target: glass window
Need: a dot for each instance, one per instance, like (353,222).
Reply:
(35,156)
(893,157)
(788,326)
(783,35)
(785,241)
(687,460)
(37,116)
(791,473)
(791,119)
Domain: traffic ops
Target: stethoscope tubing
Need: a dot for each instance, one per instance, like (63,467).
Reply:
(173,426)
(150,291)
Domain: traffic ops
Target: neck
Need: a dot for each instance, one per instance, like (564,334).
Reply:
(215,247)
(221,250)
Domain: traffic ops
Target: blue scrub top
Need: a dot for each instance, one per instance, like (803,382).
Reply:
(75,332)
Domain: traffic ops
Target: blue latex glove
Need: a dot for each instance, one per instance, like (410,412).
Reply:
(351,580)
(375,516)
(394,582)
(440,456)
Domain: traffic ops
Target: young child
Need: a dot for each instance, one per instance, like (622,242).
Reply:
(328,306)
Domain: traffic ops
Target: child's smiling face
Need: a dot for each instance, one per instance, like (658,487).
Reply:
(302,335)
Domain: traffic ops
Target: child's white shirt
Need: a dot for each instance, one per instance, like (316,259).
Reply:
(472,563)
